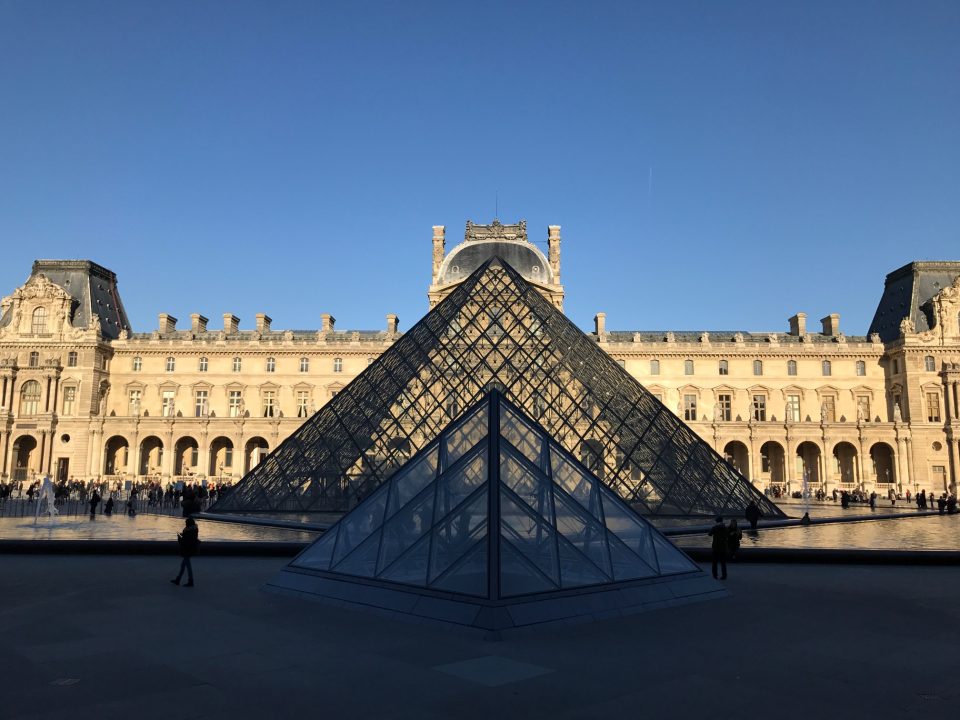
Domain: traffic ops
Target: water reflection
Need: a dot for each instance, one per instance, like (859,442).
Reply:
(141,527)
(932,532)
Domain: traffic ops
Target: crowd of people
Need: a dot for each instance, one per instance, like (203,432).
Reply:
(102,495)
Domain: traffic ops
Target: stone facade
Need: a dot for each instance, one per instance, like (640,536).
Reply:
(84,396)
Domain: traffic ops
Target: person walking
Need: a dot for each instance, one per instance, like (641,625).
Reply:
(734,536)
(719,546)
(752,514)
(189,541)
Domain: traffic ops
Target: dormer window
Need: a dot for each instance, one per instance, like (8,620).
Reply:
(39,326)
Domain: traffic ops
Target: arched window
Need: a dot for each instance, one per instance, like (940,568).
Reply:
(758,367)
(929,364)
(72,358)
(271,364)
(304,364)
(34,358)
(237,364)
(171,364)
(724,367)
(861,368)
(204,364)
(137,364)
(30,398)
(39,321)
(791,367)
(827,368)
(654,367)
(688,367)
(338,364)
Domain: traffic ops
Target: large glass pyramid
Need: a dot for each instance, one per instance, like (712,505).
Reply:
(491,512)
(495,328)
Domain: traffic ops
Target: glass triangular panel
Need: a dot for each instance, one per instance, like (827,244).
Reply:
(318,555)
(410,568)
(672,559)
(518,576)
(457,484)
(523,482)
(577,571)
(360,524)
(469,575)
(466,435)
(523,437)
(456,533)
(628,527)
(410,480)
(405,528)
(576,484)
(626,564)
(582,531)
(530,534)
(363,560)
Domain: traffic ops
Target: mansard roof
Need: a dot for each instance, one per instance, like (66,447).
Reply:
(907,293)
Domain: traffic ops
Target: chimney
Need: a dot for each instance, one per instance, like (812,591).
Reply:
(263,323)
(439,245)
(327,321)
(231,324)
(168,323)
(600,325)
(553,250)
(798,324)
(831,324)
(392,323)
(198,323)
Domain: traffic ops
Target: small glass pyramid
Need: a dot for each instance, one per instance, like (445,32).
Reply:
(495,509)
(495,328)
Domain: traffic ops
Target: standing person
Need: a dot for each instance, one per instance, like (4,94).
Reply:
(734,536)
(719,545)
(189,541)
(94,501)
(873,501)
(752,514)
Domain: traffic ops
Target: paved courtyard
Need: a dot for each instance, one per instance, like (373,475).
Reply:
(108,637)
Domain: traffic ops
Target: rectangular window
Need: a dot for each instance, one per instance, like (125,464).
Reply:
(71,359)
(235,403)
(791,367)
(269,403)
(724,367)
(237,364)
(861,368)
(690,407)
(204,364)
(933,407)
(654,367)
(166,403)
(863,407)
(793,408)
(200,403)
(688,367)
(69,400)
(338,364)
(758,367)
(228,456)
(826,368)
(134,405)
(304,364)
(171,364)
(725,403)
(760,408)
(829,409)
(137,364)
(194,457)
(303,403)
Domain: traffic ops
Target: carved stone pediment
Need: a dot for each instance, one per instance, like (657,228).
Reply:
(496,231)
(37,295)
(946,311)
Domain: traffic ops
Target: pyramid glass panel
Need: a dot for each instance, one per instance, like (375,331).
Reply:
(494,330)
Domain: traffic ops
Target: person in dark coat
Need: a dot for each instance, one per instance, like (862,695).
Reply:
(752,514)
(734,536)
(719,545)
(189,541)
(94,501)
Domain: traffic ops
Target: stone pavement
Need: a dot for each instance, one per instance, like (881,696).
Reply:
(109,637)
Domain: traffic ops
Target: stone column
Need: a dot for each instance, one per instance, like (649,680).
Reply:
(168,454)
(901,454)
(955,458)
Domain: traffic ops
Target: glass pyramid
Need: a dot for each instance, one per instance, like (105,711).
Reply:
(494,509)
(495,329)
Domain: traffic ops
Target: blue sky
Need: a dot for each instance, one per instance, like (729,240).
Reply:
(713,164)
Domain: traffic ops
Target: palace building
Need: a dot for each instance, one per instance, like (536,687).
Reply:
(85,396)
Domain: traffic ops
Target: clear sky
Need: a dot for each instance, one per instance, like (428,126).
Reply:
(713,164)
